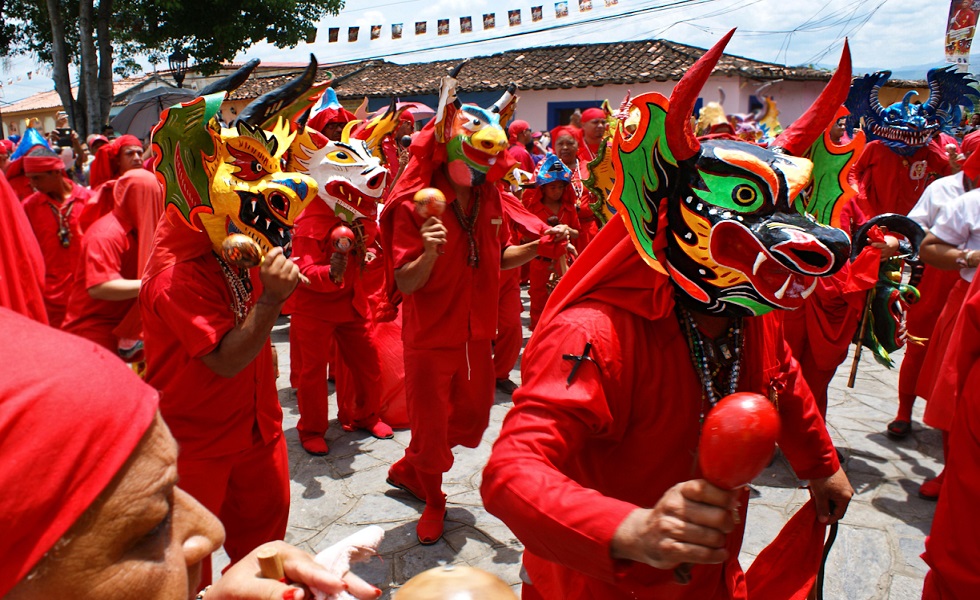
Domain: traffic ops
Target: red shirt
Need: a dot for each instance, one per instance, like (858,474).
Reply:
(322,298)
(891,183)
(573,460)
(458,303)
(186,311)
(59,261)
(522,156)
(108,253)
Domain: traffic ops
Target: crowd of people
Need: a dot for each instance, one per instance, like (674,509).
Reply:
(649,302)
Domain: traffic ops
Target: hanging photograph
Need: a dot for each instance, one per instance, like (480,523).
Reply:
(333,34)
(561,9)
(537,13)
(465,24)
(420,27)
(514,16)
(375,32)
(612,2)
(352,34)
(396,31)
(443,27)
(584,5)
(490,21)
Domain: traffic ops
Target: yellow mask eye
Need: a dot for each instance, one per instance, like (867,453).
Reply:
(744,195)
(341,156)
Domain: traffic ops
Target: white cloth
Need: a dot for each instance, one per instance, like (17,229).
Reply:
(939,193)
(958,224)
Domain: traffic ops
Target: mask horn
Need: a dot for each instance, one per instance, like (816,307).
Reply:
(798,138)
(272,102)
(681,140)
(231,82)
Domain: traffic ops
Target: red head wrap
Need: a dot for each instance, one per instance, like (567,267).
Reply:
(593,113)
(81,421)
(7,147)
(43,164)
(21,262)
(516,128)
(970,143)
(104,166)
(330,115)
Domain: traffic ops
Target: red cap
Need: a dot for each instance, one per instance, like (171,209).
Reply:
(42,164)
(970,143)
(516,128)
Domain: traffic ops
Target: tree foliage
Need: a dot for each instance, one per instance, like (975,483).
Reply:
(210,31)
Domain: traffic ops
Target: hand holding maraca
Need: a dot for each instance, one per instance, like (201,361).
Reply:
(342,240)
(430,204)
(243,252)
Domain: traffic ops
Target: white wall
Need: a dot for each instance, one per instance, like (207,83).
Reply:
(792,97)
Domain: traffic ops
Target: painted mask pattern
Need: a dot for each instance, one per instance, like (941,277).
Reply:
(225,181)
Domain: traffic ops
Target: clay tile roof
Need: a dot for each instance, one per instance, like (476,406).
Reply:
(48,100)
(548,67)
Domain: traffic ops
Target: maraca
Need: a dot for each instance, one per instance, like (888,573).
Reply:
(430,202)
(342,239)
(457,582)
(738,439)
(241,251)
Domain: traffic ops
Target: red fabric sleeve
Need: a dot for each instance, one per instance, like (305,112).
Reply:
(194,309)
(406,241)
(554,516)
(313,260)
(103,259)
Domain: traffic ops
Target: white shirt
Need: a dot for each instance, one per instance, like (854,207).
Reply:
(958,224)
(939,193)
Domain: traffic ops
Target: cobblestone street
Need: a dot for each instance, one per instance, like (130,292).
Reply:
(876,555)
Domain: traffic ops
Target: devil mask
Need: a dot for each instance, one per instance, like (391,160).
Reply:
(350,178)
(232,180)
(718,216)
(473,136)
(905,127)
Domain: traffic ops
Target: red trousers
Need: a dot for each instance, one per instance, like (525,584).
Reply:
(510,334)
(249,492)
(309,357)
(538,291)
(450,392)
(920,322)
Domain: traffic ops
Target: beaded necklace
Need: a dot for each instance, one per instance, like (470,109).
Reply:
(710,357)
(577,185)
(240,287)
(62,214)
(469,226)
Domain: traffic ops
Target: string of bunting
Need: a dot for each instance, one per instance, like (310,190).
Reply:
(514,19)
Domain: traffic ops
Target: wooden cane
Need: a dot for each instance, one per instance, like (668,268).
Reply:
(860,339)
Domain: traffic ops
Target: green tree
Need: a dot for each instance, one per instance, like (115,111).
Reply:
(104,37)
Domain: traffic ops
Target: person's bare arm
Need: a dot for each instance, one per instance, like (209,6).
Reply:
(412,276)
(239,347)
(515,256)
(116,290)
(937,253)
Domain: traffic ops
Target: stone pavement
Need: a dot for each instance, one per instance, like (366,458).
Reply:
(876,555)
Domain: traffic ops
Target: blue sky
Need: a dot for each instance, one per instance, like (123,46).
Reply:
(883,33)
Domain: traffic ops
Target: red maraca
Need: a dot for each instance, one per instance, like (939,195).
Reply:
(342,239)
(738,439)
(430,202)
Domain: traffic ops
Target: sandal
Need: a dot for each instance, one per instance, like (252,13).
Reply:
(899,429)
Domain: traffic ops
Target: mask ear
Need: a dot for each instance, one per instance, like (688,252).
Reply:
(289,101)
(506,106)
(448,105)
(181,141)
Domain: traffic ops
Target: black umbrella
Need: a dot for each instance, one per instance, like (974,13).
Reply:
(143,111)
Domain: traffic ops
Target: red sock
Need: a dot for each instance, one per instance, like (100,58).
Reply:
(905,404)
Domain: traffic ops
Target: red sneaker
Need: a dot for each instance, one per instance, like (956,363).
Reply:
(430,526)
(930,488)
(315,445)
(402,476)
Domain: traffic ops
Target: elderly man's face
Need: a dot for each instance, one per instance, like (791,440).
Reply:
(130,157)
(51,183)
(142,538)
